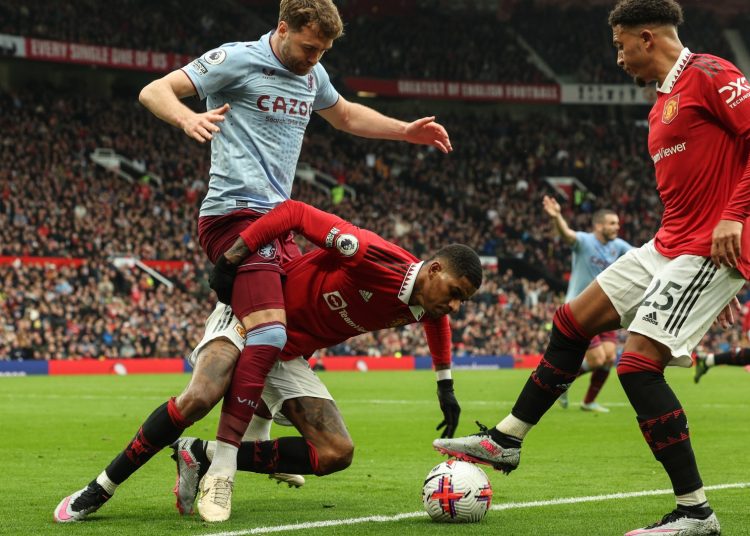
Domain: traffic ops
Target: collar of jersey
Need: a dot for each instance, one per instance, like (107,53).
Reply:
(675,72)
(266,40)
(407,287)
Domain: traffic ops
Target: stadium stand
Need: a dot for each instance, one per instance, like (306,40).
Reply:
(56,202)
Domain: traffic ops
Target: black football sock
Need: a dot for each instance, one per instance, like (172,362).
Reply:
(661,418)
(557,369)
(738,358)
(292,455)
(160,429)
(505,440)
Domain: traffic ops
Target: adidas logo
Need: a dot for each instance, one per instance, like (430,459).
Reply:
(651,318)
(366,295)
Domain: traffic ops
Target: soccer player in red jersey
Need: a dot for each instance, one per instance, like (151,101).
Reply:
(669,291)
(260,96)
(357,282)
(393,289)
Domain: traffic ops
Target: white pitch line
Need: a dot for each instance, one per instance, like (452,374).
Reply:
(608,497)
(502,506)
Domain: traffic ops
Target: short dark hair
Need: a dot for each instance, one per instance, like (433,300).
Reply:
(602,213)
(642,12)
(462,261)
(323,13)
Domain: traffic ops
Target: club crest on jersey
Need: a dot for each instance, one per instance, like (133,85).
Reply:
(334,300)
(215,57)
(268,73)
(268,251)
(240,330)
(347,244)
(671,109)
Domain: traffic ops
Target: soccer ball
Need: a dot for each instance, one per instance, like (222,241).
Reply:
(456,492)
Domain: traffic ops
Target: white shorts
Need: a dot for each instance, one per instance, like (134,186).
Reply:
(673,301)
(287,379)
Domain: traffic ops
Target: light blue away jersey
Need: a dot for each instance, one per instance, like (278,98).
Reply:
(590,258)
(254,158)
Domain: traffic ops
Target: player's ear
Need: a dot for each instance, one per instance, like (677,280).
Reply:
(435,268)
(647,36)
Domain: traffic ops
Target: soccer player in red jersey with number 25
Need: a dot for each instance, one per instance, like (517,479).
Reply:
(669,291)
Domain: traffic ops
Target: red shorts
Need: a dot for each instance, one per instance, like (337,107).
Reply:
(607,336)
(258,283)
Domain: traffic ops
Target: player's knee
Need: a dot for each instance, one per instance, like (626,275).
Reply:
(200,397)
(335,456)
(196,403)
(272,335)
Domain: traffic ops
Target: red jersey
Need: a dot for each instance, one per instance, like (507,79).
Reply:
(357,282)
(699,140)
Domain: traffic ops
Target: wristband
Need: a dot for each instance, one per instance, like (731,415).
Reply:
(444,374)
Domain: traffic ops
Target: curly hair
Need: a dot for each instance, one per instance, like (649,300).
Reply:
(462,262)
(641,12)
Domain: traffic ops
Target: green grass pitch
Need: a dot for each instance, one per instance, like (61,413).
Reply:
(59,432)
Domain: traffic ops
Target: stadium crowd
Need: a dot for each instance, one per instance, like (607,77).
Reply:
(589,57)
(54,201)
(96,310)
(475,45)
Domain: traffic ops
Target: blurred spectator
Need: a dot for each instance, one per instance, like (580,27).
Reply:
(54,201)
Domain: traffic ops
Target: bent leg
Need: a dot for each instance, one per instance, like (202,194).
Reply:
(210,380)
(325,445)
(211,375)
(572,328)
(324,448)
(214,363)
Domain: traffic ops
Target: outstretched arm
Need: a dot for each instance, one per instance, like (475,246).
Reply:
(553,210)
(363,121)
(320,228)
(312,223)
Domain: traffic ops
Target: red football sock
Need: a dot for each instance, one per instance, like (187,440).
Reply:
(598,377)
(263,346)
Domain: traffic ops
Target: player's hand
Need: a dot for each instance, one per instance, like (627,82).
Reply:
(221,279)
(202,127)
(551,206)
(726,316)
(725,243)
(426,131)
(449,406)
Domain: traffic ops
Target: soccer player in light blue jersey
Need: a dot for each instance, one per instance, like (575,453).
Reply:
(259,98)
(592,253)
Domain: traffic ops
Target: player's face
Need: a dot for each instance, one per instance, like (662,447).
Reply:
(609,227)
(301,51)
(443,292)
(631,56)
